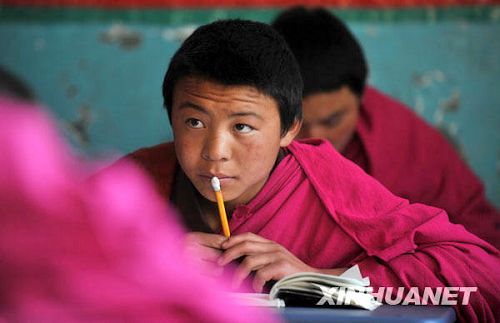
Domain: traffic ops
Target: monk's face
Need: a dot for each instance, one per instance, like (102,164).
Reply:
(232,132)
(331,115)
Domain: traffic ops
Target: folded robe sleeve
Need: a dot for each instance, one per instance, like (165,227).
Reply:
(442,257)
(406,245)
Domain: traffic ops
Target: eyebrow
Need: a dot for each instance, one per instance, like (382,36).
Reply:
(187,105)
(245,114)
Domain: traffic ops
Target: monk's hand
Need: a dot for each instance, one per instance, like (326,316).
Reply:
(204,249)
(268,259)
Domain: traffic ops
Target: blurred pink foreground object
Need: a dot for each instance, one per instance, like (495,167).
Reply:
(99,249)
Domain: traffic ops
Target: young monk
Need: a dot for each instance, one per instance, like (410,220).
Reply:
(382,136)
(233,96)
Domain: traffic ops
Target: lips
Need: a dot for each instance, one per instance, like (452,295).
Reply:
(218,175)
(223,178)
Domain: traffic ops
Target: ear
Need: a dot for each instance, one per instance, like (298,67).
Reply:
(292,132)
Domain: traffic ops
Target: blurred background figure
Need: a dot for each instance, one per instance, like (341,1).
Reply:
(101,249)
(383,136)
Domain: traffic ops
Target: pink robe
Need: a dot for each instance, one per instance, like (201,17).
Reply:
(413,160)
(105,250)
(330,214)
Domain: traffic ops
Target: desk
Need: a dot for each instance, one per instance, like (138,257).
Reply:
(383,314)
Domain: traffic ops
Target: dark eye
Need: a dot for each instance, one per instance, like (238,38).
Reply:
(243,128)
(333,120)
(194,123)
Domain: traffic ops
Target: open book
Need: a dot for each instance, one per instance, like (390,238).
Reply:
(313,289)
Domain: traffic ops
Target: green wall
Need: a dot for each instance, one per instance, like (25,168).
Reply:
(100,71)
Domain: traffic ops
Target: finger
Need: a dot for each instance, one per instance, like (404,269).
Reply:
(197,251)
(198,254)
(206,239)
(236,239)
(273,271)
(246,248)
(210,254)
(203,266)
(249,264)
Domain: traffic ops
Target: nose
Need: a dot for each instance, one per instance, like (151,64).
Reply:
(216,147)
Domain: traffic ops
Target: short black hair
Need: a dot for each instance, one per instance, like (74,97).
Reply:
(240,52)
(13,86)
(328,54)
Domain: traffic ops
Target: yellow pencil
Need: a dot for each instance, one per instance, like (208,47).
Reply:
(220,204)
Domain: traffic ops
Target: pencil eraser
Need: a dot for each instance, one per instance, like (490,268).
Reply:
(215,184)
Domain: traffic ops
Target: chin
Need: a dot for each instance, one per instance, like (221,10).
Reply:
(205,191)
(340,146)
(209,196)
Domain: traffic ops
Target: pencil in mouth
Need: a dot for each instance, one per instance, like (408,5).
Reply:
(220,205)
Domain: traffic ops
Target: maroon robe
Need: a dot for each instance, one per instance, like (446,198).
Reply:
(330,214)
(413,160)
